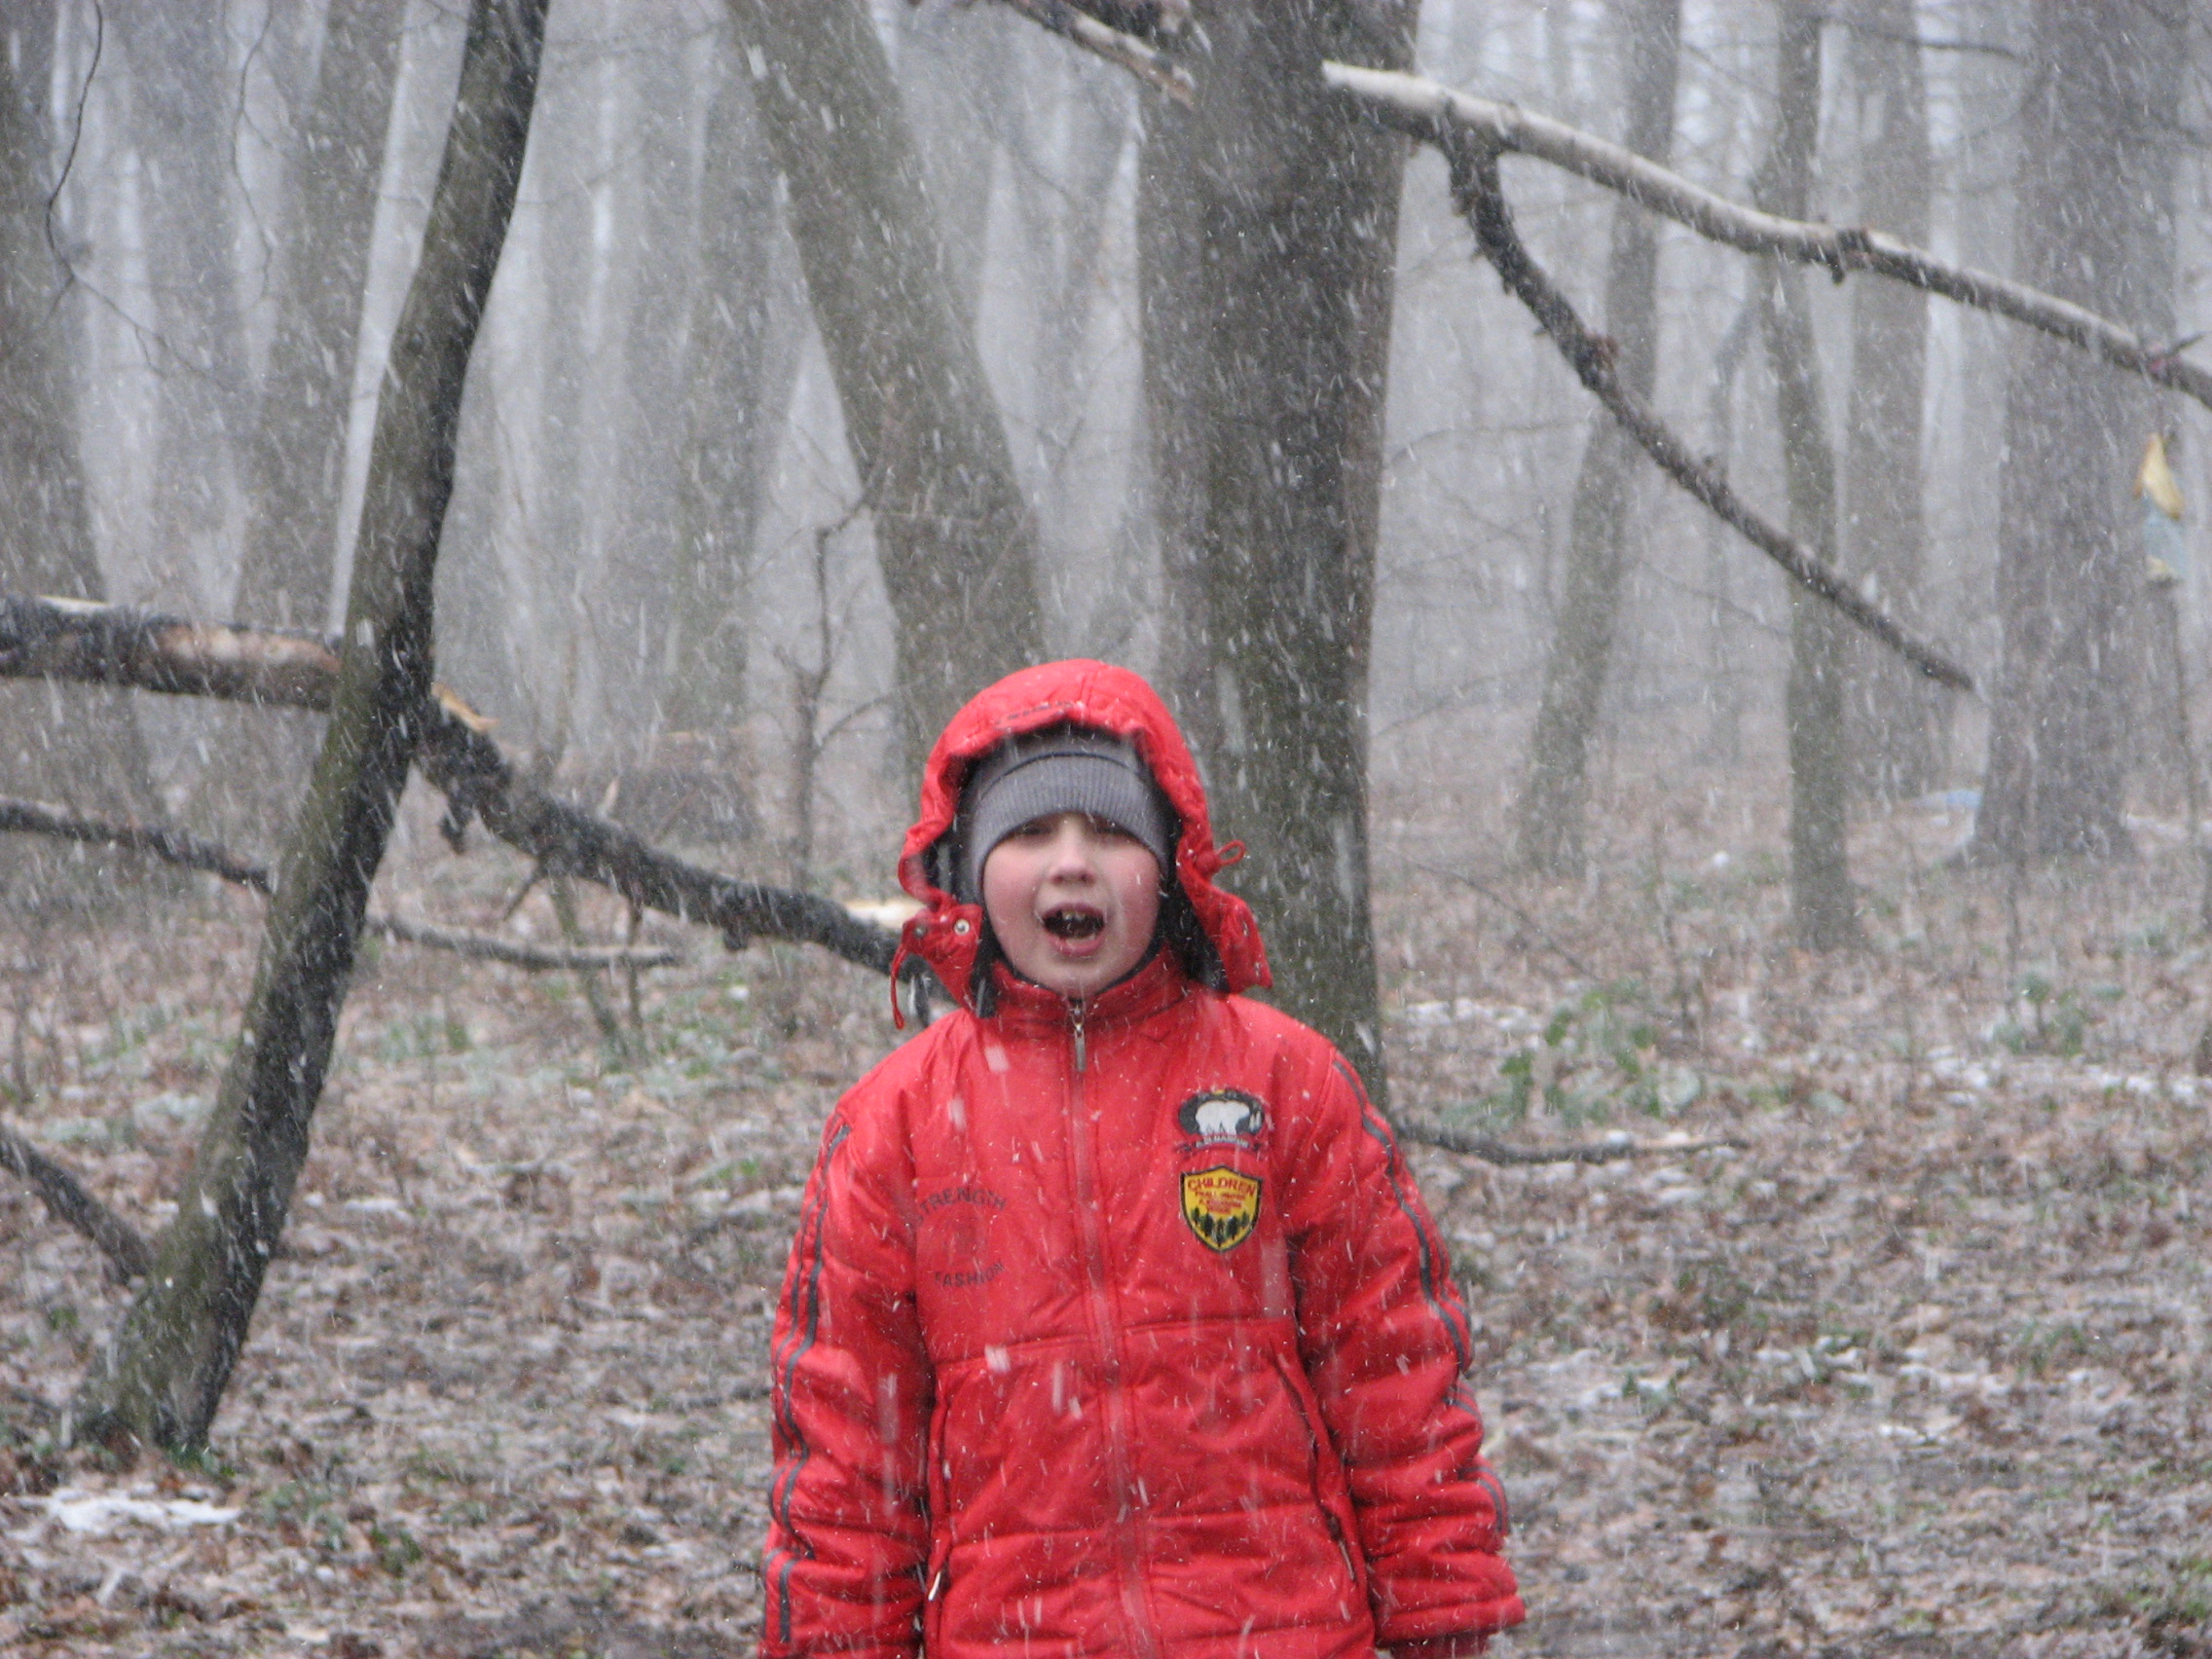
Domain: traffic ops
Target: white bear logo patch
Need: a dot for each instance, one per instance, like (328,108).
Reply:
(1222,1117)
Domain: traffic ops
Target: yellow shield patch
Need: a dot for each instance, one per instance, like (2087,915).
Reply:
(1221,1205)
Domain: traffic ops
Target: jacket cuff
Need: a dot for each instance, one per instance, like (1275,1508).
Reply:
(1461,1646)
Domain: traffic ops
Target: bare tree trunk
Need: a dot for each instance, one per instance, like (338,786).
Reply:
(295,454)
(2096,226)
(1822,907)
(743,365)
(84,746)
(659,221)
(1555,784)
(953,72)
(162,1377)
(1723,744)
(1266,340)
(953,534)
(181,81)
(296,457)
(1896,716)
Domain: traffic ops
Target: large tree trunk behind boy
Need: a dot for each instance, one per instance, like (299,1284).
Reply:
(1268,235)
(953,531)
(162,1377)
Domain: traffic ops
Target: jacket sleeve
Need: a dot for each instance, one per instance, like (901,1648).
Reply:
(850,1395)
(1385,1338)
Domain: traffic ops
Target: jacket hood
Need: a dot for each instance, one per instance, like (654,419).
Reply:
(1101,697)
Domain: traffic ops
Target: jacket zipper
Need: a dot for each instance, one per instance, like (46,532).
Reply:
(1082,1145)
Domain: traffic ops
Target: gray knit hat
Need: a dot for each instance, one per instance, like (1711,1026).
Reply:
(1060,771)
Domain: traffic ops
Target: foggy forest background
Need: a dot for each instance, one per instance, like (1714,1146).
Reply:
(167,141)
(1805,1061)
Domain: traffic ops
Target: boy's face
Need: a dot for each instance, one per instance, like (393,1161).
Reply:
(1073,900)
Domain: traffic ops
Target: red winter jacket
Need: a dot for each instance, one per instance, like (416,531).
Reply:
(1119,1328)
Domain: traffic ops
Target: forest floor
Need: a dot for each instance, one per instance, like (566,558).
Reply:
(1918,1365)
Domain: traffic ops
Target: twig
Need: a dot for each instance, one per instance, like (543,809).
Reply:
(65,1198)
(1475,182)
(1612,1148)
(1517,911)
(173,846)
(1146,63)
(1439,116)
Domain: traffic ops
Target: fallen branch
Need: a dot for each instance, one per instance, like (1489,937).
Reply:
(113,645)
(1147,64)
(1475,184)
(173,846)
(65,1198)
(1612,1149)
(1443,117)
(490,947)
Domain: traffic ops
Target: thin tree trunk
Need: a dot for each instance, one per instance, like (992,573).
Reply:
(658,222)
(1266,340)
(1896,714)
(82,747)
(181,81)
(2095,224)
(295,459)
(953,534)
(295,454)
(1555,784)
(1822,907)
(162,1377)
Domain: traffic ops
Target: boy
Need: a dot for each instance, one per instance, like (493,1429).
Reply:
(1114,1322)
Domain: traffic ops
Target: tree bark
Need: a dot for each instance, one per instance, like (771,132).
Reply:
(1555,783)
(1267,335)
(2096,220)
(953,534)
(1897,719)
(162,1377)
(1823,909)
(82,747)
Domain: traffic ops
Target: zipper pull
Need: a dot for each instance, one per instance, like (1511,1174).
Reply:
(1075,1013)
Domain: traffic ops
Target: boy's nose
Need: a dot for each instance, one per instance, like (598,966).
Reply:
(1071,851)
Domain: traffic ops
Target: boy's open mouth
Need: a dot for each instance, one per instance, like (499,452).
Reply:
(1074,922)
